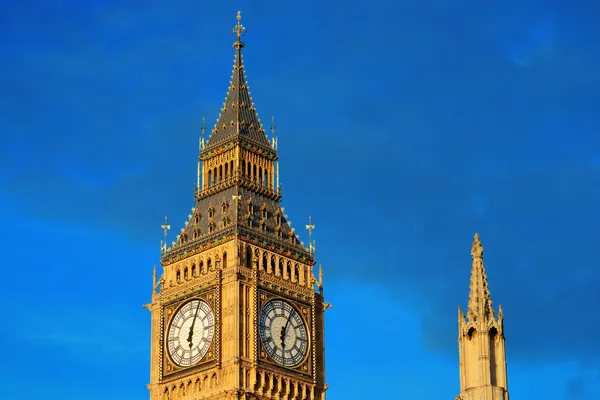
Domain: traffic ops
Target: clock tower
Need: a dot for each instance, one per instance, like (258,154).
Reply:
(235,314)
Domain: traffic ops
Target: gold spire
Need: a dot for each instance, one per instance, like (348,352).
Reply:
(480,302)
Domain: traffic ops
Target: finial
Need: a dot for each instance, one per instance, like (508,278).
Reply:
(165,228)
(240,31)
(273,140)
(154,280)
(310,227)
(320,281)
(203,129)
(477,249)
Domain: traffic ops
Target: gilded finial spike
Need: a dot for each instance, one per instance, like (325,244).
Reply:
(320,284)
(203,130)
(310,227)
(273,132)
(165,228)
(154,280)
(239,31)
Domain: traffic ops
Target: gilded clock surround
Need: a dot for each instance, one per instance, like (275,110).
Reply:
(304,311)
(168,312)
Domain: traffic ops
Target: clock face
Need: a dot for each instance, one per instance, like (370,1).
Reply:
(283,333)
(190,333)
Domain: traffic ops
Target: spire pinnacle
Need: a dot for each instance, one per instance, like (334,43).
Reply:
(239,31)
(238,120)
(480,302)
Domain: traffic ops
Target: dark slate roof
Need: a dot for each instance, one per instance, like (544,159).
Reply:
(238,120)
(237,222)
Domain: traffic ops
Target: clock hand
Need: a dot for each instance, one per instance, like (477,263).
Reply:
(190,336)
(282,337)
(288,322)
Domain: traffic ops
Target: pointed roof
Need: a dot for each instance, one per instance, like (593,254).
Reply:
(238,207)
(480,301)
(238,120)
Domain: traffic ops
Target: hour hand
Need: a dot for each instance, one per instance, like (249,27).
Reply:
(189,339)
(282,337)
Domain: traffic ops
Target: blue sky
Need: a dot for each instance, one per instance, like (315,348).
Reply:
(404,127)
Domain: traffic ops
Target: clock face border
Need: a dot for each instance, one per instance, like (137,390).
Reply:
(169,310)
(304,310)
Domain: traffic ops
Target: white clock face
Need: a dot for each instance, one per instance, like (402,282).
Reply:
(283,333)
(190,333)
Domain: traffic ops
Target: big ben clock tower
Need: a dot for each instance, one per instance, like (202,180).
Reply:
(235,314)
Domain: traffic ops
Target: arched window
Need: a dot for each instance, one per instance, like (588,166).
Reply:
(248,257)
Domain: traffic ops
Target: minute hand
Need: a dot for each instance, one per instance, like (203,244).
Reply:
(192,327)
(288,322)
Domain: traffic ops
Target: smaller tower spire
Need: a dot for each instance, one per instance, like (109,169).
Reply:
(480,301)
(482,355)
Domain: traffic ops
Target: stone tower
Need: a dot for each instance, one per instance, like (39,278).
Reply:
(481,340)
(235,314)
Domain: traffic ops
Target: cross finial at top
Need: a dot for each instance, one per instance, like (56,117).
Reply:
(239,30)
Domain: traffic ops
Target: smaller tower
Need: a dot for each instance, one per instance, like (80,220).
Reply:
(482,354)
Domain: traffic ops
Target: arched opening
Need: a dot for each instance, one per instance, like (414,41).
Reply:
(471,349)
(264,260)
(194,270)
(248,257)
(210,175)
(493,357)
(224,260)
(201,267)
(260,174)
(267,183)
(280,268)
(209,264)
(226,171)
(254,173)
